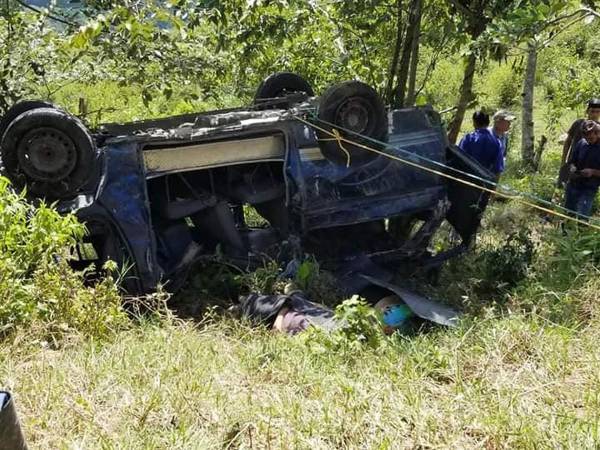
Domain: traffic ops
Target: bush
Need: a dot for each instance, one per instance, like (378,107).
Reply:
(444,83)
(362,323)
(592,50)
(500,85)
(505,266)
(361,329)
(37,285)
(571,254)
(319,285)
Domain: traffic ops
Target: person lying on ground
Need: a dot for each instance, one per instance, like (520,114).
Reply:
(574,136)
(293,312)
(483,146)
(584,169)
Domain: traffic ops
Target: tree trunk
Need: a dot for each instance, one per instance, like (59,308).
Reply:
(414,60)
(389,92)
(527,137)
(400,97)
(466,97)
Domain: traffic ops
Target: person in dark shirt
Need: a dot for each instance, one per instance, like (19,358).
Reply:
(584,165)
(483,146)
(575,134)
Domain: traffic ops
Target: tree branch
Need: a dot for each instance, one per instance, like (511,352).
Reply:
(432,62)
(564,28)
(341,27)
(591,12)
(50,16)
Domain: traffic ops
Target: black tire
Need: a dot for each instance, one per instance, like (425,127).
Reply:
(49,152)
(282,83)
(19,108)
(356,107)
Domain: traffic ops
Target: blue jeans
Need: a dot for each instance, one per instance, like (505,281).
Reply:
(580,200)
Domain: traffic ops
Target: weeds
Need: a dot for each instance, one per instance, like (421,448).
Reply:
(38,289)
(319,285)
(265,279)
(503,267)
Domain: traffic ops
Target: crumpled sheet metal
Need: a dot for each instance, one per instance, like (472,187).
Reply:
(423,307)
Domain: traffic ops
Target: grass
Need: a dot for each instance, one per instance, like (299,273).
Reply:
(511,382)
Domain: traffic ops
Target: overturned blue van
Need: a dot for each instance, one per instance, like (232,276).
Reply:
(293,174)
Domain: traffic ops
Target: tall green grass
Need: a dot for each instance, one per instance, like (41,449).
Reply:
(38,289)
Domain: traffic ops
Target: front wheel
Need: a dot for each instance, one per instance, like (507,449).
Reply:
(48,152)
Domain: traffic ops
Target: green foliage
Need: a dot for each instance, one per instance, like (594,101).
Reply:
(37,286)
(361,323)
(542,185)
(444,83)
(307,271)
(361,328)
(575,248)
(503,267)
(592,50)
(499,86)
(28,47)
(264,280)
(563,283)
(108,101)
(320,286)
(567,68)
(569,81)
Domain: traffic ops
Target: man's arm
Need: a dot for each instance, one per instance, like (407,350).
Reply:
(505,143)
(566,148)
(463,142)
(569,141)
(575,153)
(588,173)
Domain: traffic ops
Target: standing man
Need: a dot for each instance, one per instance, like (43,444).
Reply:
(584,169)
(502,121)
(483,146)
(575,135)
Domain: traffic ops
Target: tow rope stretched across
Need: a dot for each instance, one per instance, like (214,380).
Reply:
(519,197)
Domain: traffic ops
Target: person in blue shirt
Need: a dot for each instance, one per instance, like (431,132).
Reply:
(483,146)
(584,165)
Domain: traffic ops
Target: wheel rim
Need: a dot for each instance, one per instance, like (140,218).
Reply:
(47,154)
(355,115)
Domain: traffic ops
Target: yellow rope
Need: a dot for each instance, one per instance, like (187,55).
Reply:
(338,137)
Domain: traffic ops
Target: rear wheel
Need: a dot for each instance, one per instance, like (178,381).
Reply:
(49,152)
(356,107)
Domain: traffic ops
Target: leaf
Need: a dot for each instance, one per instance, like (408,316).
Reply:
(421,100)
